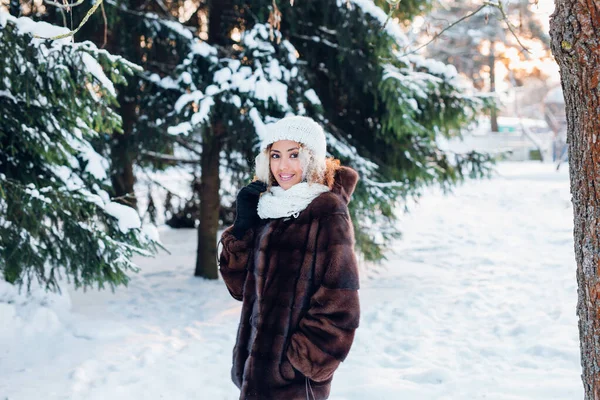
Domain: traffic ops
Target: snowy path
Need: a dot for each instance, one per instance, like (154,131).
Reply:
(476,301)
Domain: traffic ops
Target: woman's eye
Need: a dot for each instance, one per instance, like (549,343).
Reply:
(274,155)
(294,155)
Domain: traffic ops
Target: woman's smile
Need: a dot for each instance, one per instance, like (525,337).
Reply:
(286,177)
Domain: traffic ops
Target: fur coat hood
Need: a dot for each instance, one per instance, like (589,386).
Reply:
(298,282)
(336,200)
(344,183)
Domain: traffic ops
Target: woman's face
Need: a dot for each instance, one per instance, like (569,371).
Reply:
(285,163)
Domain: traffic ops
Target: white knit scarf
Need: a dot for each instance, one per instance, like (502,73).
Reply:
(280,203)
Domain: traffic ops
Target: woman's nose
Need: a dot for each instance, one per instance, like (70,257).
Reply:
(283,164)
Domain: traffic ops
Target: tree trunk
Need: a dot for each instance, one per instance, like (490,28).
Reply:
(494,112)
(224,15)
(210,202)
(575,33)
(122,175)
(15,8)
(219,22)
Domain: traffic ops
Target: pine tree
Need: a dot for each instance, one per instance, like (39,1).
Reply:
(225,102)
(382,110)
(149,35)
(56,215)
(334,61)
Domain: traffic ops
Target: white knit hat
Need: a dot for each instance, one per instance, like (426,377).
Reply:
(297,128)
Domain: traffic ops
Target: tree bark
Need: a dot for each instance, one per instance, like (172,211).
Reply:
(122,146)
(210,202)
(122,175)
(575,34)
(219,22)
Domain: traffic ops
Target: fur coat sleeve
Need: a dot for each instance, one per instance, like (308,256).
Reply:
(326,332)
(234,259)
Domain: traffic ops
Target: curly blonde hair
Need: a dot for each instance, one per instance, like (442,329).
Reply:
(313,170)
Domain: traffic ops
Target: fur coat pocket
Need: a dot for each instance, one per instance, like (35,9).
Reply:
(288,372)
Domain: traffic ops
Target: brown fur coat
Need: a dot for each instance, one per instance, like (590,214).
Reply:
(298,281)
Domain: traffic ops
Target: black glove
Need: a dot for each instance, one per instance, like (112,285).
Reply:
(246,204)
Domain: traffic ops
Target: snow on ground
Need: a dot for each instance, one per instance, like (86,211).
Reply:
(477,301)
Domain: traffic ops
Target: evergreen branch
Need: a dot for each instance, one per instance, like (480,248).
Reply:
(325,42)
(73,32)
(325,30)
(164,67)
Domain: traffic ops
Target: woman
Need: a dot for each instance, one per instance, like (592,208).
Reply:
(289,257)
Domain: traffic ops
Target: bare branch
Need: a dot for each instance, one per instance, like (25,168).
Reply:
(445,29)
(73,32)
(392,9)
(167,158)
(126,198)
(157,183)
(62,13)
(509,25)
(164,8)
(105,27)
(66,6)
(484,5)
(185,144)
